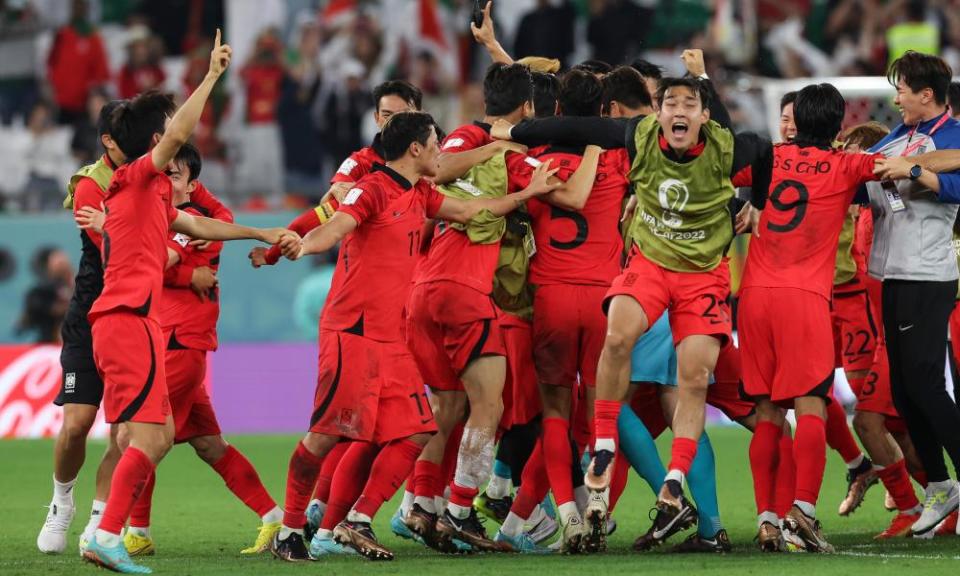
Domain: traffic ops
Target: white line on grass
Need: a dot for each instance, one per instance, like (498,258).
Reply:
(897,556)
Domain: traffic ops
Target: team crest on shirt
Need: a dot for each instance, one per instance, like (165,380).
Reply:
(181,239)
(347,166)
(673,196)
(467,187)
(532,161)
(453,143)
(352,196)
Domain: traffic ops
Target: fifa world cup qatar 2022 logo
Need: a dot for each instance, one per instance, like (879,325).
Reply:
(673,196)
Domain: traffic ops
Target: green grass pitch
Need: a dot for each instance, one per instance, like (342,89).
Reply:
(199,527)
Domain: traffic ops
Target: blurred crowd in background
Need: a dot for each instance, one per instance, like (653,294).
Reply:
(297,100)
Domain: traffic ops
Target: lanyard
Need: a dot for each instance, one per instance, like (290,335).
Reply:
(911,148)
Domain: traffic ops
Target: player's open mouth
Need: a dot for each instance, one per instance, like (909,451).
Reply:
(679,129)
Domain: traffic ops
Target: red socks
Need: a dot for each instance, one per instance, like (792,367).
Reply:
(129,478)
(462,495)
(301,478)
(605,415)
(618,482)
(389,470)
(140,514)
(330,463)
(428,479)
(556,443)
(682,454)
(450,453)
(242,479)
(348,481)
(810,453)
(534,482)
(897,482)
(764,457)
(838,433)
(786,477)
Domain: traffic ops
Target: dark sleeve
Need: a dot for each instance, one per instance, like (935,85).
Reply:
(718,112)
(631,141)
(862,196)
(750,149)
(736,205)
(608,133)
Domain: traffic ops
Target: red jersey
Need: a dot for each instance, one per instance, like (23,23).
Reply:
(580,247)
(452,255)
(88,194)
(263,92)
(139,214)
(133,81)
(77,62)
(372,278)
(810,192)
(360,163)
(188,321)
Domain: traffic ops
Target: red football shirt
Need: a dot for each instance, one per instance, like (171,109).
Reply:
(376,261)
(452,255)
(810,191)
(88,194)
(192,321)
(263,92)
(580,247)
(139,214)
(359,164)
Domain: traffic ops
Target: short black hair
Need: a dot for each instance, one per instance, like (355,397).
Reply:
(103,119)
(593,67)
(647,69)
(625,85)
(506,87)
(919,71)
(400,88)
(581,94)
(788,99)
(953,98)
(135,121)
(693,84)
(818,113)
(916,10)
(189,156)
(546,87)
(404,129)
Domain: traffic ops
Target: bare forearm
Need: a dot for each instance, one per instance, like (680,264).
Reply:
(199,227)
(183,122)
(453,165)
(574,193)
(939,161)
(497,53)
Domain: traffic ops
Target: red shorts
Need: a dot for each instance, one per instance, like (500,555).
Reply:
(569,328)
(129,353)
(193,413)
(786,344)
(404,408)
(697,300)
(873,392)
(450,325)
(521,397)
(854,330)
(367,390)
(724,393)
(645,403)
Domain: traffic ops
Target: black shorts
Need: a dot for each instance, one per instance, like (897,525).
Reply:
(80,383)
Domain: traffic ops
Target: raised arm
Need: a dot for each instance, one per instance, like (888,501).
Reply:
(542,182)
(210,229)
(574,193)
(486,37)
(693,61)
(185,120)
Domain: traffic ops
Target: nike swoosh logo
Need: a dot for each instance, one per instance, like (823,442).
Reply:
(905,328)
(658,534)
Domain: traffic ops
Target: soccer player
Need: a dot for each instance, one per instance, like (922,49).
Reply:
(82,388)
(460,349)
(913,226)
(189,310)
(785,328)
(127,338)
(379,221)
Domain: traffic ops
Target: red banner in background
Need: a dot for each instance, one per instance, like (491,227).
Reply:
(29,382)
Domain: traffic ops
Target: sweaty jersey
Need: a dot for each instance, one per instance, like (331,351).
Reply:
(452,256)
(810,192)
(187,320)
(139,213)
(360,163)
(585,246)
(376,261)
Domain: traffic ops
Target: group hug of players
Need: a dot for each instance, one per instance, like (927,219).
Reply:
(546,283)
